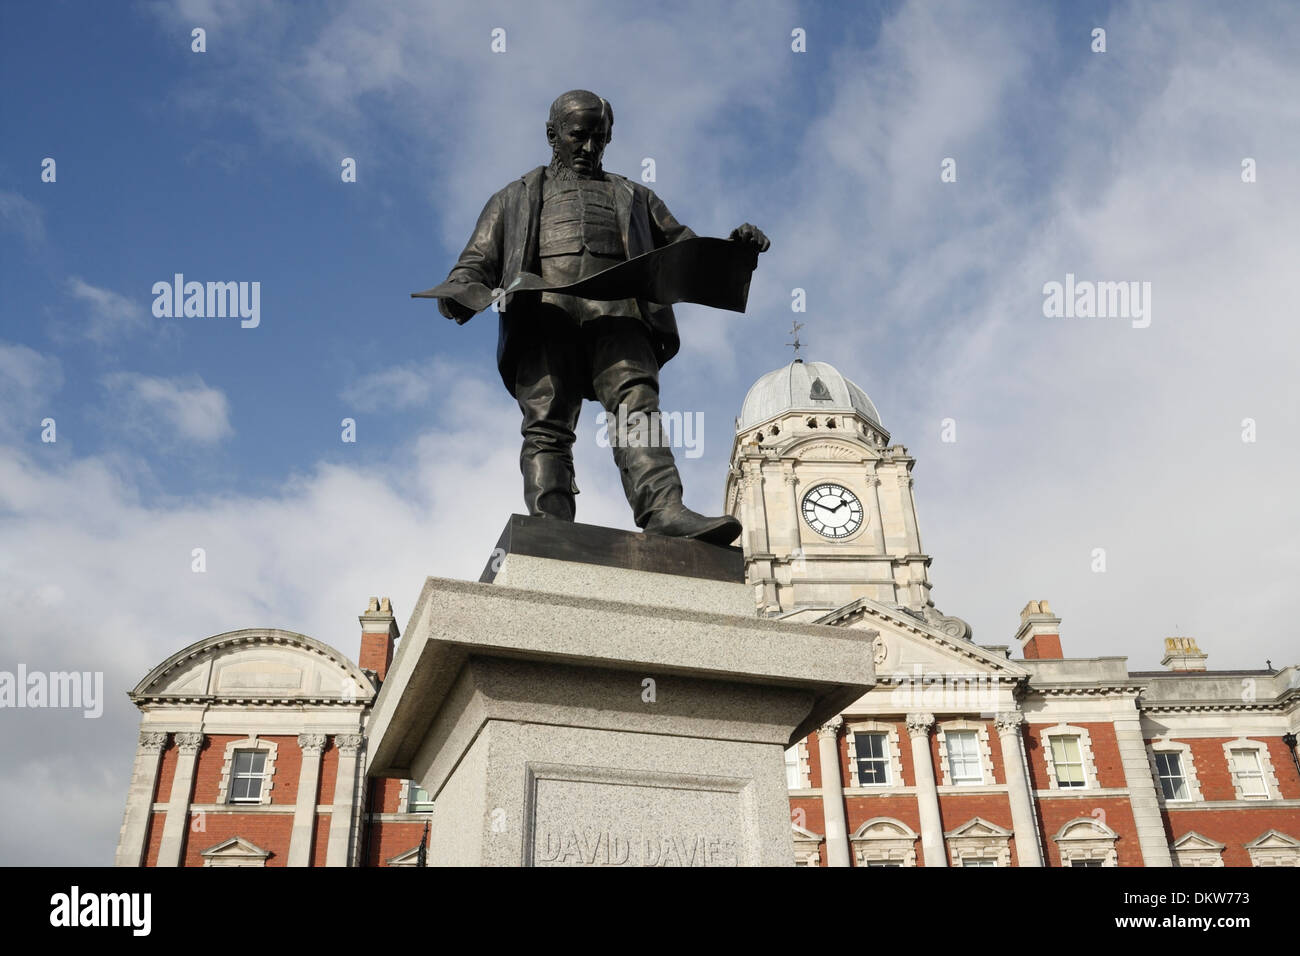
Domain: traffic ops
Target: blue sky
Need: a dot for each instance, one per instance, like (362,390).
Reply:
(1073,434)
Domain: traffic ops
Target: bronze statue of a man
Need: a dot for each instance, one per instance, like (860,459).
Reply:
(566,222)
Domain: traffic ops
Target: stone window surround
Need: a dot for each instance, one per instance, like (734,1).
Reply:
(801,756)
(1045,733)
(807,846)
(891,742)
(898,847)
(1087,838)
(1208,853)
(995,845)
(985,752)
(1184,750)
(251,742)
(1265,762)
(1261,855)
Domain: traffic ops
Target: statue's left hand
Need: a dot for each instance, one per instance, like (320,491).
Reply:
(751,234)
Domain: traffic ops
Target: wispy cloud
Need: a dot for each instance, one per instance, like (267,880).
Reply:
(109,316)
(183,408)
(22,217)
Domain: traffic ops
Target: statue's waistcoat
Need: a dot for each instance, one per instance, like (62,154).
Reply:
(579,234)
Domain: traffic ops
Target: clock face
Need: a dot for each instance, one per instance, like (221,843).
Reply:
(832,511)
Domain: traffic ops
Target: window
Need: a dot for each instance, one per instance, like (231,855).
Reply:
(1086,863)
(1067,759)
(964,757)
(1169,771)
(249,771)
(977,861)
(873,759)
(418,800)
(1248,773)
(793,778)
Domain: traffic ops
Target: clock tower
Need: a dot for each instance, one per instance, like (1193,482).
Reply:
(825,500)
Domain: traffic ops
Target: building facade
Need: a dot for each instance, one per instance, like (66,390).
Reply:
(252,743)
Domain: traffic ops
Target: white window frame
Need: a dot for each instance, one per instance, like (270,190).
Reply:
(1267,777)
(807,846)
(1085,748)
(800,764)
(1184,752)
(225,788)
(982,751)
(894,763)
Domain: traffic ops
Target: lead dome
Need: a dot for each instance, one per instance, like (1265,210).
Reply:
(804,386)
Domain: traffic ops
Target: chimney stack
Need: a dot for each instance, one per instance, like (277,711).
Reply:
(1040,632)
(378,633)
(1182,654)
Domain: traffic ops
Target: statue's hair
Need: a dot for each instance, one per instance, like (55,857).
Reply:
(579,99)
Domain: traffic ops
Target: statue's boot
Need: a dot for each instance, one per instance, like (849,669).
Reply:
(654,490)
(549,487)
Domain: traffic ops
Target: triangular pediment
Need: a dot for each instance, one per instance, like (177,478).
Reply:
(1192,840)
(1273,840)
(905,643)
(256,664)
(235,848)
(803,833)
(978,827)
(409,857)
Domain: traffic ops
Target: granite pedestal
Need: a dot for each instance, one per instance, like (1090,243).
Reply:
(606,698)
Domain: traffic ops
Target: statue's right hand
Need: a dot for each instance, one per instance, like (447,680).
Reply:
(455,311)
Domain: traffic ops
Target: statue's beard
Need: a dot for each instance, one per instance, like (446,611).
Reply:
(559,170)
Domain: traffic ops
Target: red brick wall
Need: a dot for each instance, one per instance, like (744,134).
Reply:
(320,844)
(270,831)
(166,772)
(387,840)
(288,764)
(1114,812)
(1105,753)
(329,770)
(1234,827)
(153,838)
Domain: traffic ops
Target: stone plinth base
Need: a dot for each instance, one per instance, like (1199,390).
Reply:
(565,729)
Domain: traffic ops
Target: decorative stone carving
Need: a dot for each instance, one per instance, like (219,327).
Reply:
(348,744)
(189,743)
(919,724)
(1009,722)
(951,625)
(311,743)
(153,741)
(831,728)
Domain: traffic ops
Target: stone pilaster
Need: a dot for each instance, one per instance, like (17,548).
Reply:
(139,801)
(919,726)
(175,825)
(874,513)
(304,809)
(1028,850)
(1142,791)
(343,818)
(837,827)
(796,534)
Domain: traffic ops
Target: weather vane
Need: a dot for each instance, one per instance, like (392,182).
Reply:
(794,330)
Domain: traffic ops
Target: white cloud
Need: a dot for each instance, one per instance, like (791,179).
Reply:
(28,384)
(185,408)
(110,316)
(22,217)
(402,386)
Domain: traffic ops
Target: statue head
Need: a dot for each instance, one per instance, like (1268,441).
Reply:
(579,127)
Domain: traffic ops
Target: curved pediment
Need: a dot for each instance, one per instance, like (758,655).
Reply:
(823,448)
(257,664)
